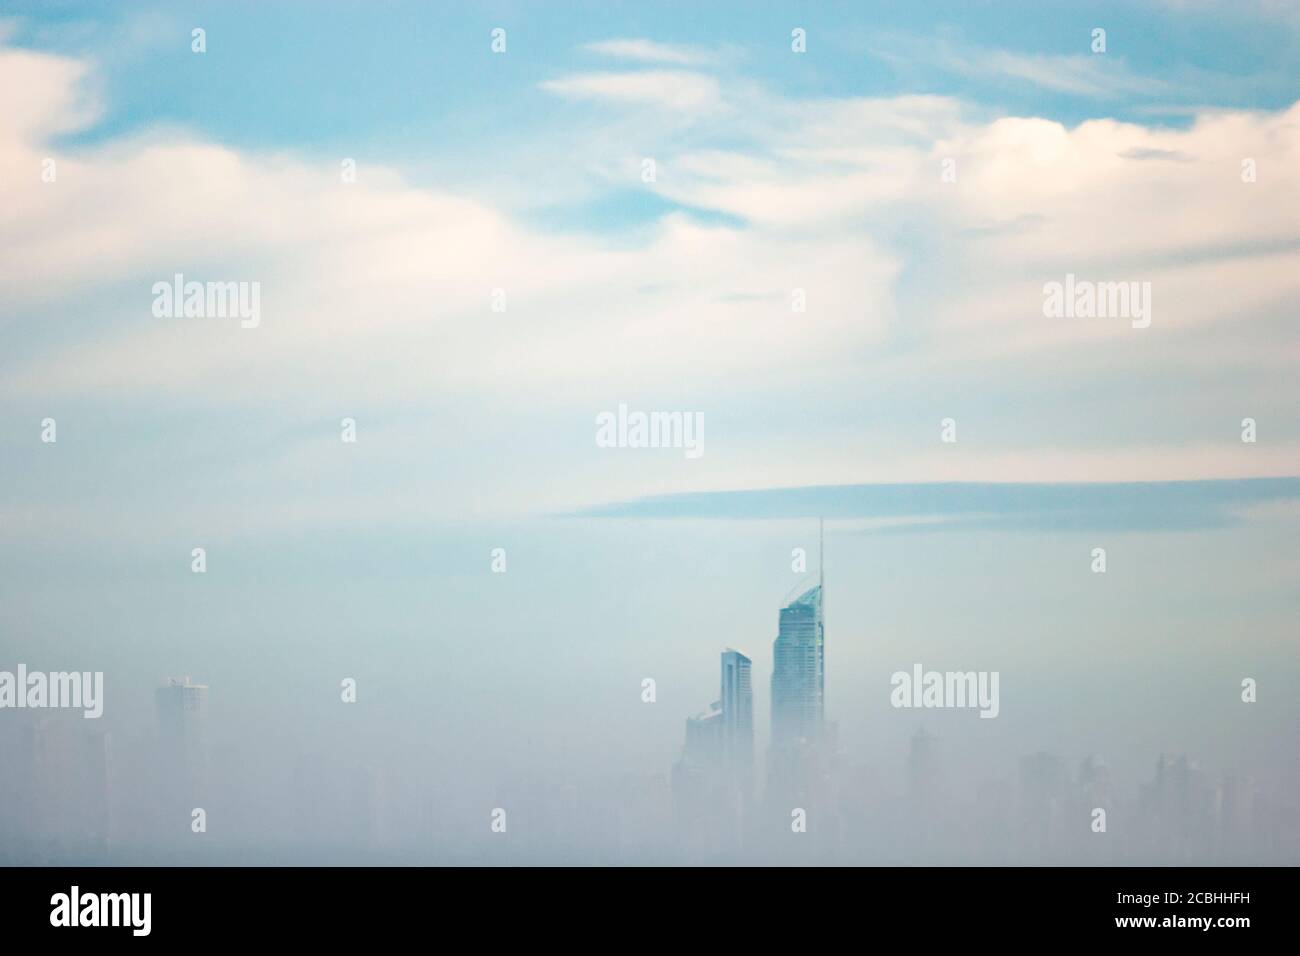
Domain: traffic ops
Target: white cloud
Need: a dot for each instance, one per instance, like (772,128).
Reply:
(376,295)
(1079,74)
(668,89)
(1087,75)
(646,51)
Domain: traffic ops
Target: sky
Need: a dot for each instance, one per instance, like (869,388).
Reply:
(913,178)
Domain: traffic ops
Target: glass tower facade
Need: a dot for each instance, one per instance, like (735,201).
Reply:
(737,711)
(799,671)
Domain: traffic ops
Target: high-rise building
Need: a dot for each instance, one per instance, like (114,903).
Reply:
(737,712)
(182,705)
(1180,810)
(797,766)
(182,716)
(799,670)
(712,783)
(183,756)
(703,746)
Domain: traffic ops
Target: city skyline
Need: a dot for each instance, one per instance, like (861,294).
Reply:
(1178,814)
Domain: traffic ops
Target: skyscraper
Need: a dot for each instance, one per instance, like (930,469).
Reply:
(182,707)
(183,757)
(799,670)
(703,746)
(713,780)
(737,712)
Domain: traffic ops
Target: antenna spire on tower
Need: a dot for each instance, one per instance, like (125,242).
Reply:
(821,557)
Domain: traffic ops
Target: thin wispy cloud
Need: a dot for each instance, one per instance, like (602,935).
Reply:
(1075,74)
(647,51)
(1078,74)
(1164,155)
(984,506)
(668,89)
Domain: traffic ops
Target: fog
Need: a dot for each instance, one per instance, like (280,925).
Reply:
(522,690)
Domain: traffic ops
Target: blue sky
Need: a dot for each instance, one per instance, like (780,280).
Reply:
(298,74)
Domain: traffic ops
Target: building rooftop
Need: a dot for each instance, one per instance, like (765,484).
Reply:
(809,598)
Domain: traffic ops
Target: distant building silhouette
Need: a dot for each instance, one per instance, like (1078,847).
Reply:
(1179,807)
(182,769)
(55,793)
(703,747)
(182,707)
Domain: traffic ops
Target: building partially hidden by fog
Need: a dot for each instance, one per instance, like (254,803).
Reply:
(802,748)
(55,790)
(182,706)
(703,747)
(183,751)
(721,738)
(713,780)
(737,713)
(799,672)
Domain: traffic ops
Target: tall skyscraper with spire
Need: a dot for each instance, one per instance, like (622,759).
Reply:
(799,665)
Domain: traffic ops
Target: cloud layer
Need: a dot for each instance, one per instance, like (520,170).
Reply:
(919,230)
